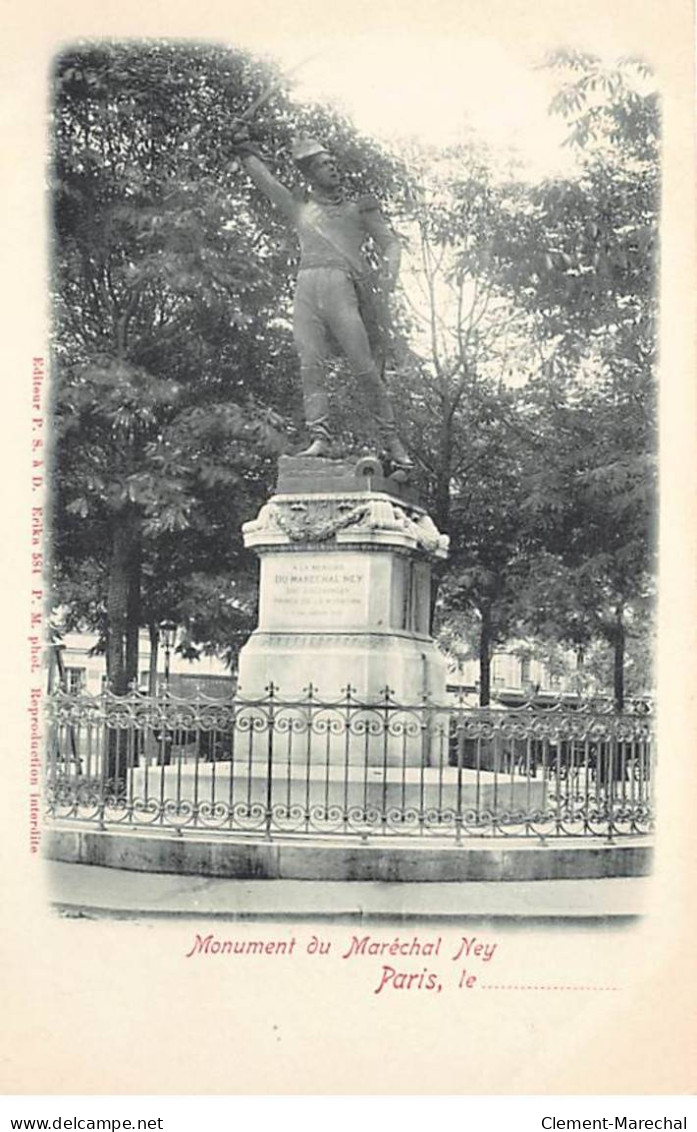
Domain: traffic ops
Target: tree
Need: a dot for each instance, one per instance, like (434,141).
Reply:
(469,345)
(175,369)
(589,277)
(531,389)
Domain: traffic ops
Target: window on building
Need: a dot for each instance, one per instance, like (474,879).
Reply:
(525,670)
(75,680)
(497,672)
(555,680)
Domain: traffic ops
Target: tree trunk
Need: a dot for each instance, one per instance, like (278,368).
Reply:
(441,517)
(122,652)
(441,501)
(619,642)
(117,605)
(123,601)
(437,572)
(485,658)
(580,670)
(154,634)
(151,745)
(133,602)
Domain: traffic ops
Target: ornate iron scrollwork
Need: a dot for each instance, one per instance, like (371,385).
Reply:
(293,766)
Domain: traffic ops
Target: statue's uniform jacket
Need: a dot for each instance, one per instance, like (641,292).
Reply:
(333,296)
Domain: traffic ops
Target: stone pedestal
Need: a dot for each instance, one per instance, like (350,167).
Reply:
(345,583)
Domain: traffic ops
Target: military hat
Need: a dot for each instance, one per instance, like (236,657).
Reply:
(304,148)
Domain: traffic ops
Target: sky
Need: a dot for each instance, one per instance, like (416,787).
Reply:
(393,85)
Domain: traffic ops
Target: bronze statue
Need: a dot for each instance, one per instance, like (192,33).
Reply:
(334,294)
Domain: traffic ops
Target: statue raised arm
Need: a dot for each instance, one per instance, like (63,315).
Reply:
(335,295)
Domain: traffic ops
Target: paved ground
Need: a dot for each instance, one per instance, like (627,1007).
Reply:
(92,890)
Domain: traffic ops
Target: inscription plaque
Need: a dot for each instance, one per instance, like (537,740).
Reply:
(314,591)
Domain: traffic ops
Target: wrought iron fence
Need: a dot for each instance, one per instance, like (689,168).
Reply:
(275,766)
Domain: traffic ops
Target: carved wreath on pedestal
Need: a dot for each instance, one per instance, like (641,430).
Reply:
(318,520)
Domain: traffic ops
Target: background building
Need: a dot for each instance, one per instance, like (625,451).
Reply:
(82,669)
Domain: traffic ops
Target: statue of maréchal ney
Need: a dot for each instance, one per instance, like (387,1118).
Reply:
(334,294)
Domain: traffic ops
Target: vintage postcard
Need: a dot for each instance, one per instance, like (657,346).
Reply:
(349,549)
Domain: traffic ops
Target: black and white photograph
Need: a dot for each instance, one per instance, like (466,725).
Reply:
(354,471)
(347,616)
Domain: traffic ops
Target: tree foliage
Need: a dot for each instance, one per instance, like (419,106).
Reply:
(593,287)
(176,381)
(531,395)
(523,378)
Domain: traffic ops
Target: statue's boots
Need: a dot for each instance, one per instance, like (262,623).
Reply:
(318,447)
(396,450)
(320,441)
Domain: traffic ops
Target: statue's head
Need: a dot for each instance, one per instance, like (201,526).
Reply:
(316,163)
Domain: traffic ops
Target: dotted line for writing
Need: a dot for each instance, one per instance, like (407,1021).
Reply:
(491,986)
